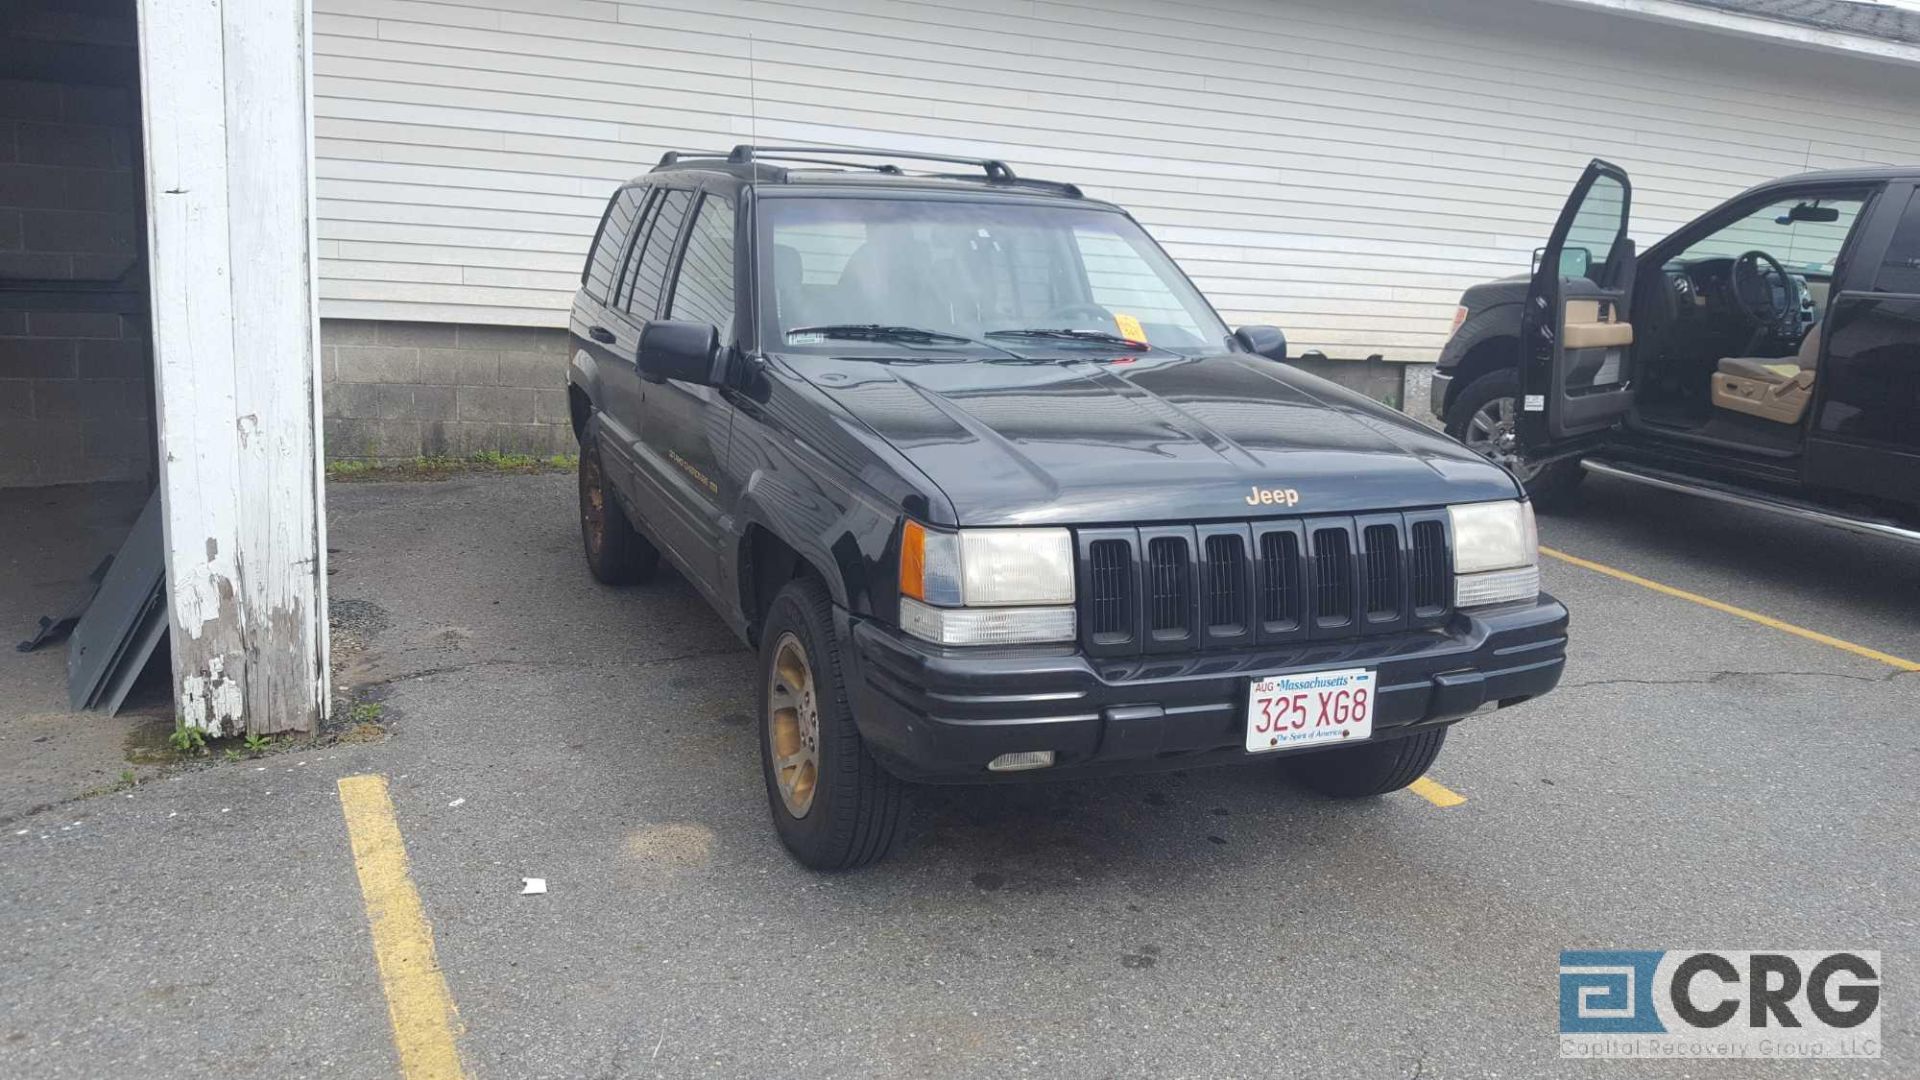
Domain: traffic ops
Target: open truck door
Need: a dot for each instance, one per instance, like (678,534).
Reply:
(1575,329)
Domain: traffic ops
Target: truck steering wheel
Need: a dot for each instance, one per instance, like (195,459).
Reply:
(1755,297)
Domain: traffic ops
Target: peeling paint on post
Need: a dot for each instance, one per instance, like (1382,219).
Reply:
(230,250)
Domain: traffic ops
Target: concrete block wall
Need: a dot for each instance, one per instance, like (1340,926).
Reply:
(74,389)
(74,384)
(394,391)
(68,194)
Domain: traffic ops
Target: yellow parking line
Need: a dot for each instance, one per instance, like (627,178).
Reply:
(1752,616)
(1436,792)
(418,1004)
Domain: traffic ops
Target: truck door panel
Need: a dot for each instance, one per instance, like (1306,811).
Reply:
(1576,332)
(1866,413)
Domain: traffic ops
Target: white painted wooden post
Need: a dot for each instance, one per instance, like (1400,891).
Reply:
(226,94)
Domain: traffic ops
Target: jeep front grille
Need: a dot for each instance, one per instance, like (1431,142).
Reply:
(1332,578)
(1179,588)
(1110,609)
(1226,601)
(1280,581)
(1382,544)
(1432,591)
(1170,585)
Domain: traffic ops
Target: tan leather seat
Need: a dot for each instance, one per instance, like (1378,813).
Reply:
(1776,388)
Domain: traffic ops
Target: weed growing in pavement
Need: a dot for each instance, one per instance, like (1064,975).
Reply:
(441,466)
(257,743)
(187,740)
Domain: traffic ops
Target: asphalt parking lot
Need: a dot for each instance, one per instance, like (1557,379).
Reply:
(1700,779)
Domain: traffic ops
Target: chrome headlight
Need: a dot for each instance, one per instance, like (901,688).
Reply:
(986,586)
(1496,553)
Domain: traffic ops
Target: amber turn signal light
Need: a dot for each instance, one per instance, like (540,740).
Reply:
(913,560)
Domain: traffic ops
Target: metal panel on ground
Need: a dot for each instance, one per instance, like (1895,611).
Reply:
(99,648)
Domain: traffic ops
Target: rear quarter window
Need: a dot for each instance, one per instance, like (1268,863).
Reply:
(603,261)
(647,266)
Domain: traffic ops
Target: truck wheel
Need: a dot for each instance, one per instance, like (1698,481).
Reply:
(1356,772)
(833,805)
(616,553)
(1483,417)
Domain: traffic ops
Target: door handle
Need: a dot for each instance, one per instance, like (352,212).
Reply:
(600,334)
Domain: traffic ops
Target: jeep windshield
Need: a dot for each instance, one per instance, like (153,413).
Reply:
(970,278)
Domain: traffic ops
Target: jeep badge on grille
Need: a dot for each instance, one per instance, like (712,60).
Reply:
(1260,496)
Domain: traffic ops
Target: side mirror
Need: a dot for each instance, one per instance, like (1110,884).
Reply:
(1265,341)
(677,350)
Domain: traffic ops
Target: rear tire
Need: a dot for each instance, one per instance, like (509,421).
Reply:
(833,805)
(616,552)
(1356,772)
(1551,486)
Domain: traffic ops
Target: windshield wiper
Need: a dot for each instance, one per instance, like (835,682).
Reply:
(877,332)
(1100,336)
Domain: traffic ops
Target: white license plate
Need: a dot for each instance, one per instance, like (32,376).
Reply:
(1287,712)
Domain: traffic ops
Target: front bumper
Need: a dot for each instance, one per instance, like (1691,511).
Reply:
(940,714)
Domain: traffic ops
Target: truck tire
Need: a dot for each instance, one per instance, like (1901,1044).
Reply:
(616,552)
(833,805)
(1356,772)
(1494,398)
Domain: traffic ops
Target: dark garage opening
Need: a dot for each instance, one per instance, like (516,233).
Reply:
(77,442)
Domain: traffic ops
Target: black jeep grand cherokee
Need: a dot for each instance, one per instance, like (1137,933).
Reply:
(996,495)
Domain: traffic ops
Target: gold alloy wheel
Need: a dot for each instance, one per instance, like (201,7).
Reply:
(793,725)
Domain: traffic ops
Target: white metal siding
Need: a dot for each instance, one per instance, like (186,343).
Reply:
(1339,169)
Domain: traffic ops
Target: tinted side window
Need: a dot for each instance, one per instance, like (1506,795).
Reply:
(647,269)
(1596,225)
(649,210)
(1900,270)
(603,263)
(703,291)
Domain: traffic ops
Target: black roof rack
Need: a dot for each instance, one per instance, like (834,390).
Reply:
(746,156)
(745,153)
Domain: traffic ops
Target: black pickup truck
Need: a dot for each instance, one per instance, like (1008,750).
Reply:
(1766,354)
(996,495)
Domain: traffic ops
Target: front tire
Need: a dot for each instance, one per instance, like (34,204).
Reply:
(616,552)
(833,805)
(1357,772)
(1483,417)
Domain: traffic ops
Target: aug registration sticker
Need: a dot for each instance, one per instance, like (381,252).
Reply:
(1285,712)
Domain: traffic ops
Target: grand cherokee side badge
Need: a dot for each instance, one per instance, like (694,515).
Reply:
(1273,497)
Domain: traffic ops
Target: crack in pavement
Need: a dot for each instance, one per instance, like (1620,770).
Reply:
(1722,676)
(583,667)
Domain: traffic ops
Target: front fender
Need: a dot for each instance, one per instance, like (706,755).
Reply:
(843,533)
(1487,324)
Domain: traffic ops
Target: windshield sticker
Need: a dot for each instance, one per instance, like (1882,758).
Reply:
(795,337)
(1129,326)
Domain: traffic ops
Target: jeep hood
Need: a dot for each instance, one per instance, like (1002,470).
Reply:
(1148,437)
